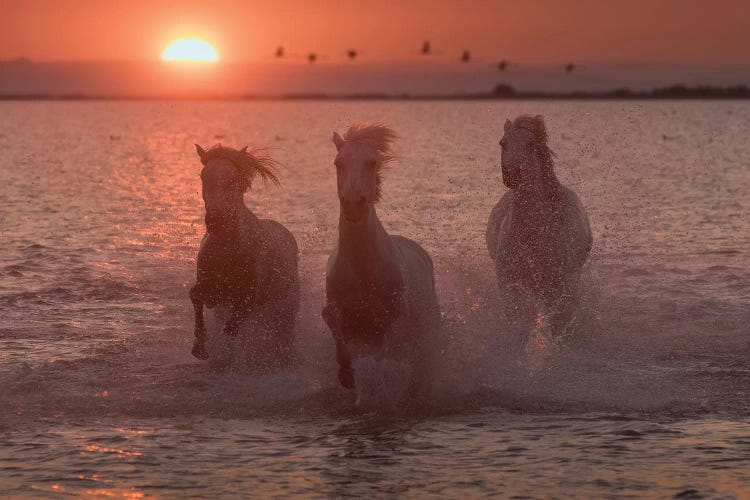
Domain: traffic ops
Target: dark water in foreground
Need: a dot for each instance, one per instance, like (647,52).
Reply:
(100,396)
(479,453)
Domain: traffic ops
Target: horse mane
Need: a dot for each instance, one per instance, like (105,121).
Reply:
(249,163)
(537,127)
(379,137)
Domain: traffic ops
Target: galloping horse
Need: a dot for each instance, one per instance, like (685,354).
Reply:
(538,233)
(245,263)
(380,289)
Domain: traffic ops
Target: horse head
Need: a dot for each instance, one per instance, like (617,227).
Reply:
(526,159)
(227,174)
(362,155)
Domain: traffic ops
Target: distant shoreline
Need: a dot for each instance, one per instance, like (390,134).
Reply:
(499,93)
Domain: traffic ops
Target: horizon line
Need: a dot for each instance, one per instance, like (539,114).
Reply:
(302,60)
(739,91)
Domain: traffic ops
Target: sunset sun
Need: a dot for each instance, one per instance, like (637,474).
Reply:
(190,50)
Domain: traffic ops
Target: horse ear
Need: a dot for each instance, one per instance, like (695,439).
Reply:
(201,152)
(508,124)
(338,141)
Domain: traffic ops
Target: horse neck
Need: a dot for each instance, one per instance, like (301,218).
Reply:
(248,224)
(364,244)
(251,223)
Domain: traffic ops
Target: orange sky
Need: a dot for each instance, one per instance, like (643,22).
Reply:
(535,31)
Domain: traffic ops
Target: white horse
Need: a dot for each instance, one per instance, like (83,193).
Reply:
(538,233)
(246,265)
(380,289)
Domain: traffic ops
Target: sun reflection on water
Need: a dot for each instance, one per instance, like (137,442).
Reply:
(104,449)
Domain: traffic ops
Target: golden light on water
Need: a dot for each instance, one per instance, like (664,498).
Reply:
(120,453)
(190,50)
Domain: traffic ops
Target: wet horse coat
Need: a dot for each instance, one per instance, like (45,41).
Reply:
(380,289)
(246,264)
(538,233)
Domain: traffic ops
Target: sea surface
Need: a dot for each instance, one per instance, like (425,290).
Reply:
(101,218)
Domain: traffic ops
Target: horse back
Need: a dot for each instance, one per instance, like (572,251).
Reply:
(578,222)
(282,240)
(417,265)
(280,255)
(415,255)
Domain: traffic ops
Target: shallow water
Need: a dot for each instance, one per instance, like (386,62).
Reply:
(102,222)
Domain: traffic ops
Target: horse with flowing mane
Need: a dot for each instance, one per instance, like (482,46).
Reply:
(245,264)
(538,233)
(380,289)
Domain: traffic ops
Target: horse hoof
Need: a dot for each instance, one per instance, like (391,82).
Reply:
(346,377)
(200,352)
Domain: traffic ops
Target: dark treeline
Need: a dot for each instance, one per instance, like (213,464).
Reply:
(501,91)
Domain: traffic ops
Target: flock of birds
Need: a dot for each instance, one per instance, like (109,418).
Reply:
(426,50)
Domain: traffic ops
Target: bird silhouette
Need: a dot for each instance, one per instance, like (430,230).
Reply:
(352,54)
(279,52)
(466,56)
(312,57)
(571,67)
(503,65)
(426,49)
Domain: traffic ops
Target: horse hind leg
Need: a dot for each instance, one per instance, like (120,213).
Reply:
(289,320)
(564,316)
(232,325)
(332,315)
(346,372)
(199,346)
(283,330)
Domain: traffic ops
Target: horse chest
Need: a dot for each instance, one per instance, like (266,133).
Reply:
(369,316)
(369,308)
(530,242)
(228,274)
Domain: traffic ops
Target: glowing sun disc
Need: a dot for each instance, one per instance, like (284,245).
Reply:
(190,49)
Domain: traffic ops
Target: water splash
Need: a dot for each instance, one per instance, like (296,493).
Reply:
(381,384)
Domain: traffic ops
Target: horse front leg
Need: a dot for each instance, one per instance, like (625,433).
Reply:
(333,317)
(199,346)
(238,315)
(346,372)
(565,306)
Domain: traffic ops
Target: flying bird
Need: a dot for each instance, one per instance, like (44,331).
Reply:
(352,54)
(312,57)
(570,67)
(503,65)
(466,56)
(426,49)
(279,52)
